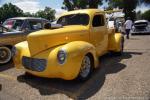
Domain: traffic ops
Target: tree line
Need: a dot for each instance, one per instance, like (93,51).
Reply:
(128,6)
(9,11)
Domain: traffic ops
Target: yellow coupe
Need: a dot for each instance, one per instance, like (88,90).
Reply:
(71,50)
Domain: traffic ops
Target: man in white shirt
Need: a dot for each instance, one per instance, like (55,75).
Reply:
(128,26)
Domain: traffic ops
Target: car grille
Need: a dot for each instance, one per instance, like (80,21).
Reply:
(34,64)
(139,30)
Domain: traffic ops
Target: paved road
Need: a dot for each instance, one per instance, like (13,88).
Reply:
(119,78)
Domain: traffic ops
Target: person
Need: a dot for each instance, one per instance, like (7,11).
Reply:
(128,26)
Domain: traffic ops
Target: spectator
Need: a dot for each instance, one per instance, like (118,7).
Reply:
(128,26)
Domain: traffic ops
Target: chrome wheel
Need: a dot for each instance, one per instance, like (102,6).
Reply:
(5,55)
(85,67)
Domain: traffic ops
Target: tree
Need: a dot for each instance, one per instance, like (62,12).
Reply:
(28,14)
(147,2)
(47,13)
(9,11)
(146,15)
(138,15)
(128,6)
(81,4)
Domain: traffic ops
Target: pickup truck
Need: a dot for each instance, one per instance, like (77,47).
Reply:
(70,51)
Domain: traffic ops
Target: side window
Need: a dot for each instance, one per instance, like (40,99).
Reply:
(35,24)
(98,20)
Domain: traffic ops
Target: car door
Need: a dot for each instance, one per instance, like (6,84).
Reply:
(32,25)
(99,36)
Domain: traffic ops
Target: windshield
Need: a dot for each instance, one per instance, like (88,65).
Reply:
(13,24)
(74,19)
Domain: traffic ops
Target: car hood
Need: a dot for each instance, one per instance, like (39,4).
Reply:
(45,39)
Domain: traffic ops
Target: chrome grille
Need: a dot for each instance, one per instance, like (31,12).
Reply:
(34,64)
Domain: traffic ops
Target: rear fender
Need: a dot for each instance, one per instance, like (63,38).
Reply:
(114,42)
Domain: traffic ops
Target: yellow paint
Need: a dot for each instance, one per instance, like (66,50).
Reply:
(76,40)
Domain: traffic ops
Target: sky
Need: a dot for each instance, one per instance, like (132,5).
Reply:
(35,5)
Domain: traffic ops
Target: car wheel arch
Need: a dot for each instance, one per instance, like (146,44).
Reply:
(8,50)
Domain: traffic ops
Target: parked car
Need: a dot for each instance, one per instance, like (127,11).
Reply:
(71,50)
(141,27)
(15,30)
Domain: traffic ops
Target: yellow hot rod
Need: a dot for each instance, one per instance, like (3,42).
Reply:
(71,50)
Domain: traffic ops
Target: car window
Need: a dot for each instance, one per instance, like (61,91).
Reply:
(35,25)
(98,20)
(13,24)
(74,19)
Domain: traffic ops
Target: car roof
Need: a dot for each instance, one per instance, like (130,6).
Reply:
(24,18)
(87,11)
(139,21)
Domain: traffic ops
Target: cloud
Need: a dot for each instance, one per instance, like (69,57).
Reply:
(31,6)
(142,8)
(59,12)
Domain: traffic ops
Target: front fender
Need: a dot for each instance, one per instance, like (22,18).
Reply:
(21,50)
(75,52)
(78,49)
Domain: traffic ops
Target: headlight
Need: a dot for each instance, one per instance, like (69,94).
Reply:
(61,56)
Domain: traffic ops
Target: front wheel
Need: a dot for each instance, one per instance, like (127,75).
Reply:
(86,68)
(5,55)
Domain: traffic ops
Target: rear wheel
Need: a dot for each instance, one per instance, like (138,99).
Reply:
(122,45)
(5,55)
(86,68)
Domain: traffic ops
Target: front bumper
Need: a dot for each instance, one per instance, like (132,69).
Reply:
(140,33)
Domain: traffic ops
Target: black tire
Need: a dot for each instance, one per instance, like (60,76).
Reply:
(28,75)
(86,68)
(5,55)
(122,46)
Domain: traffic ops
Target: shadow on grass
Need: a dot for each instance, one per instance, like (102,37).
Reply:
(75,89)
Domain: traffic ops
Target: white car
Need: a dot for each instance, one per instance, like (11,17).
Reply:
(141,27)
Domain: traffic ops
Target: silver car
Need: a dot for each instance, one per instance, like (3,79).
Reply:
(141,27)
(15,30)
